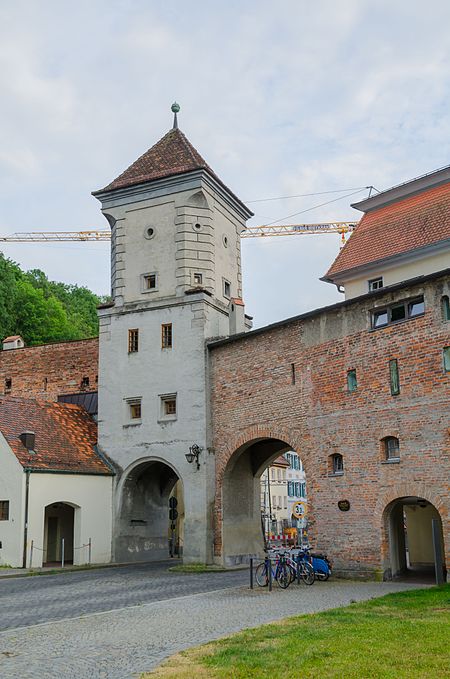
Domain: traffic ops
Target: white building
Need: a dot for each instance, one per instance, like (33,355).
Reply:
(55,488)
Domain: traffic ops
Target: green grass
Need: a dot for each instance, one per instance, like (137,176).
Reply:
(398,636)
(196,568)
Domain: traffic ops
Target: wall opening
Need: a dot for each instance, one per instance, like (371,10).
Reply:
(147,528)
(247,516)
(409,529)
(58,526)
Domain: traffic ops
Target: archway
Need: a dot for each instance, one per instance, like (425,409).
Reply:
(242,531)
(58,533)
(408,524)
(144,530)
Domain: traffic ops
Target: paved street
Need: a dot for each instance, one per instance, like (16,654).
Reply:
(32,600)
(118,644)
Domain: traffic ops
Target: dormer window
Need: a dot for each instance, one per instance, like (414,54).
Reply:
(375,284)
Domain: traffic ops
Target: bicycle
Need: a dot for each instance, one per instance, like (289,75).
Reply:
(301,569)
(281,572)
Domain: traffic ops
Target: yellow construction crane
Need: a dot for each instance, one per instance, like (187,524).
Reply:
(341,228)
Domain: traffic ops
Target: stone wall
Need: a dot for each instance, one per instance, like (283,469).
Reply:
(48,370)
(289,382)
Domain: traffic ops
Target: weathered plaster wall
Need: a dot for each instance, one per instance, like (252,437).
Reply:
(12,481)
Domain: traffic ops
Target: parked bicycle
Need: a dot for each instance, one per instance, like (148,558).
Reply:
(280,572)
(300,568)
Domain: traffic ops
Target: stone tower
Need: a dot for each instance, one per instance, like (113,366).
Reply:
(176,281)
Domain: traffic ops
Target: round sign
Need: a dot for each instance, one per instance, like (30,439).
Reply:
(344,505)
(299,509)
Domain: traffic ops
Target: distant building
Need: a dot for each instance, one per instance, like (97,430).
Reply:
(283,495)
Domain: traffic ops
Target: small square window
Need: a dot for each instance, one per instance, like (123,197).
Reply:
(375,284)
(446,355)
(4,510)
(416,308)
(198,278)
(84,383)
(166,336)
(135,408)
(352,383)
(226,289)
(168,408)
(398,313)
(149,282)
(133,341)
(8,385)
(391,448)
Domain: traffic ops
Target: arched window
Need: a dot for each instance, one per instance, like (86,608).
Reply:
(391,448)
(445,305)
(336,464)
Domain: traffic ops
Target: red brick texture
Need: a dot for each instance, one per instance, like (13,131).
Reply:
(255,396)
(49,370)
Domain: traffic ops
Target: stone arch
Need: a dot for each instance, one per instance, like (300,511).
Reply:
(142,510)
(389,502)
(238,534)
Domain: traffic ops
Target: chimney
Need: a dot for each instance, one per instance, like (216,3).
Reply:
(237,316)
(28,439)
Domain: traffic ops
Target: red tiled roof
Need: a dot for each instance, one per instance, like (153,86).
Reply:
(173,154)
(408,224)
(12,338)
(65,436)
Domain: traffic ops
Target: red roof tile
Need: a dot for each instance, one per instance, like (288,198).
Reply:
(403,226)
(65,436)
(173,154)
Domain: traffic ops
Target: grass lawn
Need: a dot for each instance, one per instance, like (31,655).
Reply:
(398,636)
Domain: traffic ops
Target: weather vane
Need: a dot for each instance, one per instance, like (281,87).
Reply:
(175,108)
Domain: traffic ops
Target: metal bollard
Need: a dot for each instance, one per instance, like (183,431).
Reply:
(251,572)
(90,551)
(31,554)
(269,572)
(298,568)
(62,552)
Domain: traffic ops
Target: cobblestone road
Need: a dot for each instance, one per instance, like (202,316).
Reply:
(122,643)
(33,600)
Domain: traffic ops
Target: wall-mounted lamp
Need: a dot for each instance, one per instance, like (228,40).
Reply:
(194,452)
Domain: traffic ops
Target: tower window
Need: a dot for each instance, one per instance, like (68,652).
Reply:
(166,336)
(445,305)
(446,356)
(8,385)
(133,341)
(4,510)
(134,408)
(198,279)
(352,383)
(168,407)
(226,289)
(149,282)
(375,284)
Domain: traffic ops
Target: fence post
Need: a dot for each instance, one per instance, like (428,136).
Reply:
(298,567)
(31,554)
(62,552)
(251,572)
(90,550)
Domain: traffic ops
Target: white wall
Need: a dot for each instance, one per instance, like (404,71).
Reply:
(12,479)
(92,498)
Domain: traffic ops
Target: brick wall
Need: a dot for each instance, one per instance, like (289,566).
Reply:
(49,370)
(254,396)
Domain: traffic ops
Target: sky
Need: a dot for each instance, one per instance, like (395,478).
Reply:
(281,98)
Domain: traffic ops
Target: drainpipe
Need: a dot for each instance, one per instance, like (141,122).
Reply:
(25,527)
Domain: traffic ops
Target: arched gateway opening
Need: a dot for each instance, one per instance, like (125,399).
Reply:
(148,526)
(242,532)
(408,523)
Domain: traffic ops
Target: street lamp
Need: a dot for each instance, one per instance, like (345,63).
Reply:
(194,452)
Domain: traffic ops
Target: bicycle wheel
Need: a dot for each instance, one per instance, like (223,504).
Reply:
(283,576)
(307,573)
(321,575)
(262,575)
(293,573)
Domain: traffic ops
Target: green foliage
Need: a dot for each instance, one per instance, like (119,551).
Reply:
(41,310)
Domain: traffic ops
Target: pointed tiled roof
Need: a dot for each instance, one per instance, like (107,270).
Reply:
(173,154)
(65,436)
(403,226)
